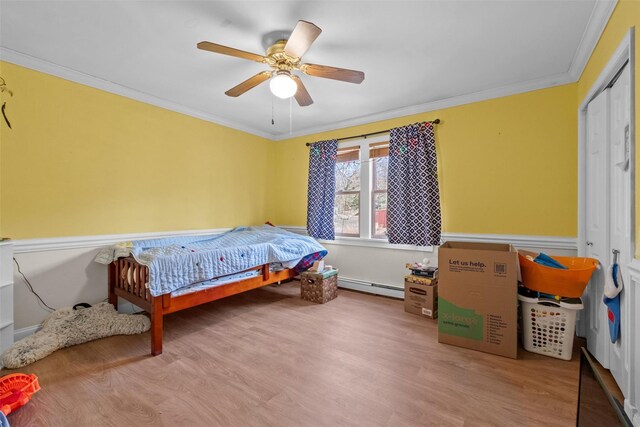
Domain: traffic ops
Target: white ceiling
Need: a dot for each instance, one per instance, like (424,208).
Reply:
(412,52)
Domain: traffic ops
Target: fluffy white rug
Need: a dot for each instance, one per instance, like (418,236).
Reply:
(67,327)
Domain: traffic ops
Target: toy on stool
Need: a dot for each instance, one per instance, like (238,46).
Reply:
(16,390)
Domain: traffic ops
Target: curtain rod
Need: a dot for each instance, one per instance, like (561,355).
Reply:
(364,135)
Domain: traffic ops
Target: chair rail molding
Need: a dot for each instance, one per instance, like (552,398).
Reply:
(76,242)
(518,240)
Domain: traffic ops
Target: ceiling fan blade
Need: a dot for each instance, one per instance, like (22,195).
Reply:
(301,38)
(342,74)
(302,96)
(249,84)
(225,50)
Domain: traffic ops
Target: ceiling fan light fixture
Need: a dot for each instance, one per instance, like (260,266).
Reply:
(282,85)
(284,53)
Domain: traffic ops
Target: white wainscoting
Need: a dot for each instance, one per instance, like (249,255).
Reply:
(632,394)
(380,268)
(63,273)
(62,270)
(6,296)
(61,277)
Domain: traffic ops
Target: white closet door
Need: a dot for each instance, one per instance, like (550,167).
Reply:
(620,214)
(597,223)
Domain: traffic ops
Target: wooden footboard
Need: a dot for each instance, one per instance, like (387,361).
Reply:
(128,280)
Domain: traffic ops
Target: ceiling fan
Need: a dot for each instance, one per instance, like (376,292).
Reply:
(284,57)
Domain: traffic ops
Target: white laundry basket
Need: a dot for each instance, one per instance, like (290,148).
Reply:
(548,326)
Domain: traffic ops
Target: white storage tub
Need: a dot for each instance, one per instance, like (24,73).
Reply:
(549,326)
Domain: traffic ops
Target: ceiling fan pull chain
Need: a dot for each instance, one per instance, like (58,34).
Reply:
(290,116)
(272,121)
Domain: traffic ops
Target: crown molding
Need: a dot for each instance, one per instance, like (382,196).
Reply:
(499,92)
(37,64)
(598,20)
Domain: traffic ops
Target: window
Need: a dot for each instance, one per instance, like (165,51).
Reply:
(346,214)
(361,189)
(379,155)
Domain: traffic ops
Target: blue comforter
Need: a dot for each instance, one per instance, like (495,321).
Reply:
(181,261)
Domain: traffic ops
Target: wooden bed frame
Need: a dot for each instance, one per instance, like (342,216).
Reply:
(127,280)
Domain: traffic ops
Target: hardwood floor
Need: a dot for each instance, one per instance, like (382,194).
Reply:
(267,358)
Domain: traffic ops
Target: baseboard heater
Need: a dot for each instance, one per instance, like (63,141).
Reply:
(370,287)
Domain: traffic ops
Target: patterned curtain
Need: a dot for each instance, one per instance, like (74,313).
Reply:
(413,196)
(322,189)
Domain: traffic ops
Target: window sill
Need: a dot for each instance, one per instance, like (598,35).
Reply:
(374,243)
(359,241)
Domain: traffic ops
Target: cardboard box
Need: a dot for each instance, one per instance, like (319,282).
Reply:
(478,297)
(421,299)
(319,287)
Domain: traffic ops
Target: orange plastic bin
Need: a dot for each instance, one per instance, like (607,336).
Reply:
(555,281)
(16,390)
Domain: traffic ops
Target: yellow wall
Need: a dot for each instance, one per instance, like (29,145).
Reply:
(506,165)
(625,16)
(80,161)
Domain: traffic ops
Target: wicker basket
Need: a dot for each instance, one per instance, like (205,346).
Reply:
(319,287)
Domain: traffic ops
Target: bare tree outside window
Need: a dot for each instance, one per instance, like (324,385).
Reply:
(350,190)
(346,217)
(380,166)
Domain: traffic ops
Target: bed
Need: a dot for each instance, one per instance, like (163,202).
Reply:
(163,276)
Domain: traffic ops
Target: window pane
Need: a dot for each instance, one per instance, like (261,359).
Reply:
(380,149)
(346,216)
(379,210)
(348,176)
(380,168)
(348,154)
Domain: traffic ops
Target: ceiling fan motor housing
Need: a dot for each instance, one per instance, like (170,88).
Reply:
(278,60)
(274,36)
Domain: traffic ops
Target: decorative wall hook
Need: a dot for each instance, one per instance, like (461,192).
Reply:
(4,88)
